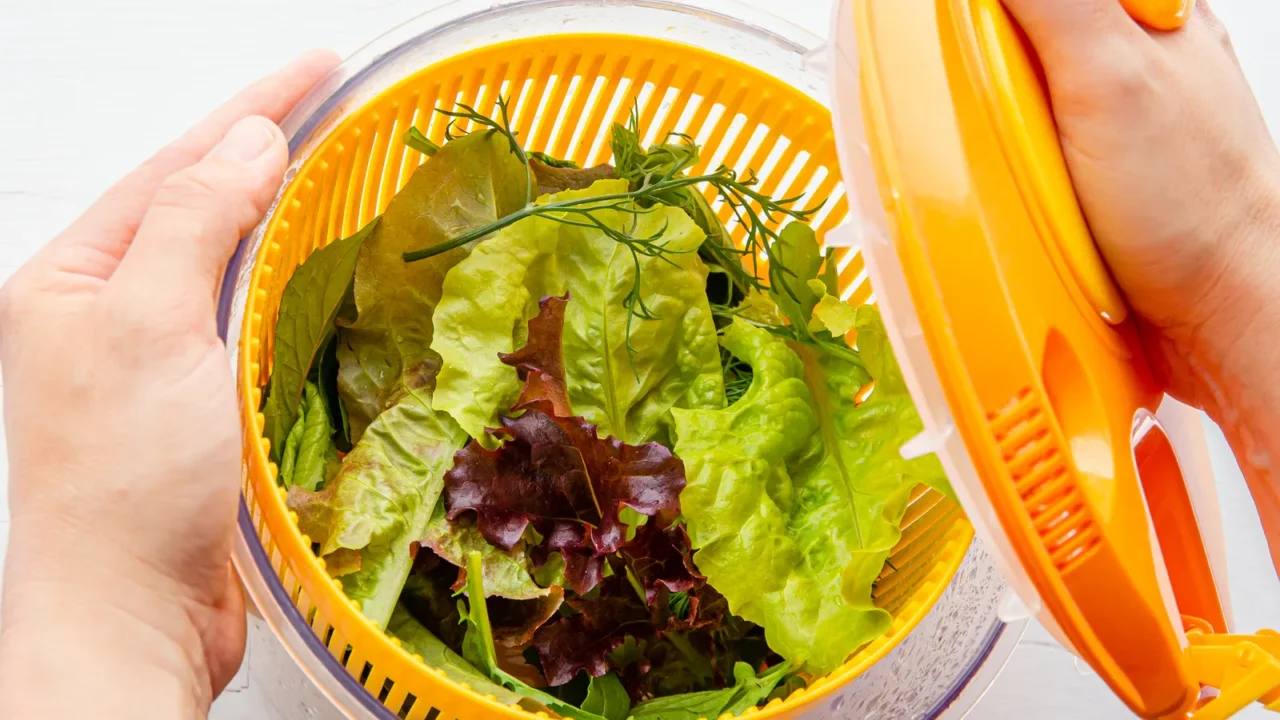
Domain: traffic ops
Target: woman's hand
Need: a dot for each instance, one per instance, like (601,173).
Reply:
(123,430)
(1180,181)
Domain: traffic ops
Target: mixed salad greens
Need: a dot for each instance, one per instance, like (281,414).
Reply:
(572,446)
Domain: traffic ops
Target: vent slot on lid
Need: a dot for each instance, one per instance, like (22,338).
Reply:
(1044,481)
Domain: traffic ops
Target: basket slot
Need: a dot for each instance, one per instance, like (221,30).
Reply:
(397,697)
(579,146)
(541,85)
(416,709)
(517,88)
(357,182)
(607,96)
(561,78)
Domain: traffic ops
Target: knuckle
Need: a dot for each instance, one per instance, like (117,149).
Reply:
(15,301)
(194,188)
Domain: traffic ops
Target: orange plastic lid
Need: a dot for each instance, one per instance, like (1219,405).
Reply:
(1018,347)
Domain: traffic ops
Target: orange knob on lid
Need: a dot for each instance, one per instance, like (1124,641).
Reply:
(1160,14)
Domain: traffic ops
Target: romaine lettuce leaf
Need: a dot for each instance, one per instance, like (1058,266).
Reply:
(507,573)
(382,498)
(672,361)
(471,181)
(794,496)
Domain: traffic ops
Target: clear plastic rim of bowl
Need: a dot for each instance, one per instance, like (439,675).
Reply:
(945,665)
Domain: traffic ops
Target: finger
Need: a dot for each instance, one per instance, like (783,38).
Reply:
(1061,29)
(196,218)
(109,224)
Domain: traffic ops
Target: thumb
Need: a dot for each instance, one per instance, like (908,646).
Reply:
(1060,29)
(199,214)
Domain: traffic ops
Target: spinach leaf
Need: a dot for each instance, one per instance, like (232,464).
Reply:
(607,698)
(623,376)
(308,308)
(747,692)
(470,181)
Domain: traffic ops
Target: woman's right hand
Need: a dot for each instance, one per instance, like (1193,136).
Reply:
(1179,179)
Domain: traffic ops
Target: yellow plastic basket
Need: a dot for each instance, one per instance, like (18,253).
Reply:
(565,91)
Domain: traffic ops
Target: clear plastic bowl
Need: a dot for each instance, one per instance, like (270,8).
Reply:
(943,666)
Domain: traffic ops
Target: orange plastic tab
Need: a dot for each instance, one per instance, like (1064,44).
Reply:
(1044,377)
(1160,14)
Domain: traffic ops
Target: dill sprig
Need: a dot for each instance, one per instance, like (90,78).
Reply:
(659,176)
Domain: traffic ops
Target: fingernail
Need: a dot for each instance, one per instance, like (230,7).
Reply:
(247,140)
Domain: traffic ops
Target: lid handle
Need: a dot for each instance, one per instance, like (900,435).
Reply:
(1160,14)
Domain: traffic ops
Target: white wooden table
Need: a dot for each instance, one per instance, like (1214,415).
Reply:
(89,88)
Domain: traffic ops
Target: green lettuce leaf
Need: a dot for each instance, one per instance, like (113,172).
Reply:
(785,502)
(469,182)
(488,298)
(382,499)
(747,692)
(418,640)
(308,307)
(310,456)
(888,417)
(833,315)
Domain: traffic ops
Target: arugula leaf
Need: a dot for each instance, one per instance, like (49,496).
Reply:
(418,640)
(308,308)
(381,499)
(606,697)
(623,377)
(478,648)
(747,692)
(791,518)
(385,353)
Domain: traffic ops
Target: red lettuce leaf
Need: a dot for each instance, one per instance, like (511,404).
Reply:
(584,641)
(554,472)
(661,558)
(540,363)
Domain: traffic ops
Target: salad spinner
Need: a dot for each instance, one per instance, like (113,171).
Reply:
(924,127)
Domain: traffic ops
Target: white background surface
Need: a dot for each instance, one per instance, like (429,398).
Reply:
(89,88)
